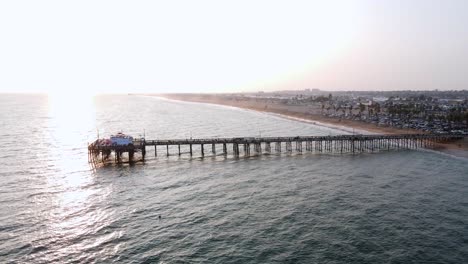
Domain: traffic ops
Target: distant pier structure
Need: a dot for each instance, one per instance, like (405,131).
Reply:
(107,151)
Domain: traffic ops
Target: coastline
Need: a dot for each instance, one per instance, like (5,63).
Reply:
(457,149)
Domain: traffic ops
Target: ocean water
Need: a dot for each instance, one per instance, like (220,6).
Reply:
(388,207)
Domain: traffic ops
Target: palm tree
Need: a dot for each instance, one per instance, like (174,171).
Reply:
(361,109)
(377,110)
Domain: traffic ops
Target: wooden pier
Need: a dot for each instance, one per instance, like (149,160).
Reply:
(248,146)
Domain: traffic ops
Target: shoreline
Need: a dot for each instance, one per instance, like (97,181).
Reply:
(457,149)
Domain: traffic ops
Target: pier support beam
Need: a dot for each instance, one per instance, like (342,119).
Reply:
(278,146)
(268,147)
(118,156)
(247,149)
(288,146)
(258,148)
(235,149)
(299,146)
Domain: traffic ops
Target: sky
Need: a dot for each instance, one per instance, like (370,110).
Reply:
(90,47)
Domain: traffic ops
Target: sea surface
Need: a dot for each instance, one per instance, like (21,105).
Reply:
(388,207)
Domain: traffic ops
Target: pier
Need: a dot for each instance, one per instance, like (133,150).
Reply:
(250,146)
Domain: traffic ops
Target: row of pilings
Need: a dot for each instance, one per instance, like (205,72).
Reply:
(329,144)
(251,146)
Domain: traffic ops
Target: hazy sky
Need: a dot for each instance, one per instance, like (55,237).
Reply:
(221,46)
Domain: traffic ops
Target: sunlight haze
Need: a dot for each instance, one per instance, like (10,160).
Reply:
(89,47)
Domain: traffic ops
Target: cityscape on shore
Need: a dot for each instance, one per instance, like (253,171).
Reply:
(431,111)
(434,111)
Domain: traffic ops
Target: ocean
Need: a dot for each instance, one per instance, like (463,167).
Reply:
(388,207)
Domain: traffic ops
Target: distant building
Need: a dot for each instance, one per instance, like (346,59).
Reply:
(121,139)
(380,99)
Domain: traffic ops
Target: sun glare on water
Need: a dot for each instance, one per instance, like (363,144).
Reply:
(71,118)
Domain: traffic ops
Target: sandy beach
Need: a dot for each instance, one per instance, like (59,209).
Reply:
(458,148)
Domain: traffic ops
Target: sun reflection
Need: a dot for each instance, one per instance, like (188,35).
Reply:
(71,124)
(76,208)
(72,121)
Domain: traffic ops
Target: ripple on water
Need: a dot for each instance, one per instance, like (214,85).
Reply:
(399,207)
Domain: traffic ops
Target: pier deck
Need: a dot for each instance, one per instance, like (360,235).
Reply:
(319,144)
